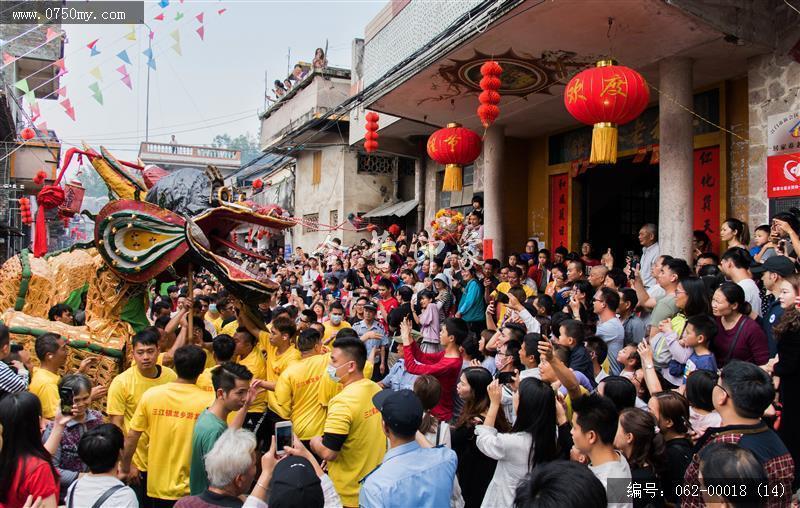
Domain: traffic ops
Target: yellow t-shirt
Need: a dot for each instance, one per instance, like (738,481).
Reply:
(168,412)
(297,395)
(568,402)
(331,331)
(276,364)
(124,394)
(228,329)
(258,367)
(204,380)
(44,385)
(351,412)
(503,287)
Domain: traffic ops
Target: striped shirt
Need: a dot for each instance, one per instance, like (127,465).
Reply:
(10,382)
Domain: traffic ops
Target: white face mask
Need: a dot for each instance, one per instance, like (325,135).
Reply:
(335,319)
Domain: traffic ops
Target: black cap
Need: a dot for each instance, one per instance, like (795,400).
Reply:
(295,484)
(781,265)
(371,306)
(401,410)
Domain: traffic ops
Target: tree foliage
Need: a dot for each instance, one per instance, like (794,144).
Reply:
(246,143)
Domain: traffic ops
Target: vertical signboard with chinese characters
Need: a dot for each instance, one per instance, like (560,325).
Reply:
(559,210)
(783,155)
(706,193)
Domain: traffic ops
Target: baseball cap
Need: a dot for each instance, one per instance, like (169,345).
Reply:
(401,410)
(371,306)
(295,484)
(781,265)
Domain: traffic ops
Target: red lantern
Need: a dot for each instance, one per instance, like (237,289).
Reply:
(606,95)
(51,196)
(489,98)
(25,211)
(371,136)
(258,184)
(27,134)
(39,178)
(454,146)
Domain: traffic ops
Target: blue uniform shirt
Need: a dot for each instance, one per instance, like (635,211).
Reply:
(410,476)
(361,328)
(398,377)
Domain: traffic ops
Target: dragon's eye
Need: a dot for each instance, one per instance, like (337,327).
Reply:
(224,194)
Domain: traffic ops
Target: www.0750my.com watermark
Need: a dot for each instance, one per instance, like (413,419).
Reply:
(66,13)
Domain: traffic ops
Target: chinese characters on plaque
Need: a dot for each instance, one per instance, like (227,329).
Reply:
(706,193)
(559,210)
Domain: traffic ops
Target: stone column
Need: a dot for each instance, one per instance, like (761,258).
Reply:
(493,145)
(419,190)
(675,191)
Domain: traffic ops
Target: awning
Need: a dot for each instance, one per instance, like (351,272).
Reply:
(400,209)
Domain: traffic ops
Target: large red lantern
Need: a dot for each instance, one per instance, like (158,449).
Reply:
(27,134)
(606,96)
(371,136)
(454,146)
(489,98)
(258,184)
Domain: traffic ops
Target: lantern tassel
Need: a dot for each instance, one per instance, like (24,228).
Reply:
(452,178)
(604,144)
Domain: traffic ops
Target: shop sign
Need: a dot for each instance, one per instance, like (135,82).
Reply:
(706,193)
(559,210)
(783,133)
(783,175)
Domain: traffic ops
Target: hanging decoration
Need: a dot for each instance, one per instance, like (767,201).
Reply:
(40,177)
(455,147)
(371,136)
(92,46)
(123,55)
(489,98)
(27,134)
(51,196)
(25,211)
(73,199)
(606,96)
(258,184)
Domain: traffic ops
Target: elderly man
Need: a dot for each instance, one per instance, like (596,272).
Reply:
(650,252)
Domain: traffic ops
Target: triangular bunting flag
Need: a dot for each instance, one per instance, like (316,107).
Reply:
(96,73)
(94,52)
(95,87)
(91,44)
(201,32)
(60,64)
(51,34)
(199,17)
(160,17)
(127,80)
(131,36)
(177,48)
(123,55)
(152,63)
(66,104)
(179,16)
(35,112)
(152,34)
(163,3)
(30,97)
(7,59)
(22,84)
(148,53)
(42,127)
(221,11)
(122,70)
(62,91)
(98,95)
(70,111)
(175,34)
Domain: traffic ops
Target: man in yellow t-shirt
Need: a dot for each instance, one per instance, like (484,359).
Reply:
(514,280)
(297,392)
(168,413)
(335,322)
(280,354)
(247,353)
(126,391)
(352,442)
(226,322)
(51,350)
(223,349)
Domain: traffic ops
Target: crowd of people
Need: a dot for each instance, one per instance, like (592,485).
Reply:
(414,376)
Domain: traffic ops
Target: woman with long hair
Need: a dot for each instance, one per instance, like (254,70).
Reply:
(471,305)
(27,468)
(738,337)
(671,411)
(735,232)
(532,439)
(787,368)
(475,470)
(637,438)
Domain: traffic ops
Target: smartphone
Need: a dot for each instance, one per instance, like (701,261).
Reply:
(66,400)
(283,437)
(505,377)
(294,291)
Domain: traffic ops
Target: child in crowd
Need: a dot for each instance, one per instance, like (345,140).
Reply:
(529,356)
(762,248)
(598,350)
(428,322)
(628,357)
(700,331)
(571,337)
(702,415)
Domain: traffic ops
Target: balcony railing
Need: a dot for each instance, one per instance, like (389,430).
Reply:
(199,152)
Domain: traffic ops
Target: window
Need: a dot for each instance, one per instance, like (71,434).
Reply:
(468,175)
(334,218)
(376,164)
(310,222)
(316,175)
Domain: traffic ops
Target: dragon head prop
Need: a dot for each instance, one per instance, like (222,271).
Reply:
(186,216)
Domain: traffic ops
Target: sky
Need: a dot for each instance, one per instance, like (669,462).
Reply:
(215,87)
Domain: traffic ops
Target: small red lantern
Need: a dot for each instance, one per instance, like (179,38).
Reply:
(258,184)
(40,177)
(489,98)
(454,146)
(27,134)
(371,136)
(25,211)
(606,95)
